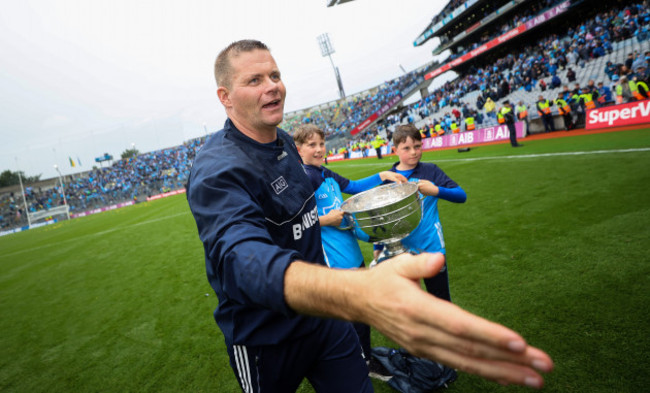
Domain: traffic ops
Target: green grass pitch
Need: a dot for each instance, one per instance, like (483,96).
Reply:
(553,241)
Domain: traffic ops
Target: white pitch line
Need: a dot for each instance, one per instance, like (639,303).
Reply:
(570,153)
(574,153)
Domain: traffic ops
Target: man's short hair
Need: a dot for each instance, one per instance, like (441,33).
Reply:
(403,132)
(222,66)
(304,132)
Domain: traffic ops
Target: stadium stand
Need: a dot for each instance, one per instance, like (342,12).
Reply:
(132,179)
(553,38)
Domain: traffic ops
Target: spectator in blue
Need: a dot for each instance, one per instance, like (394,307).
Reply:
(528,84)
(642,33)
(638,62)
(448,121)
(598,51)
(605,94)
(610,69)
(555,81)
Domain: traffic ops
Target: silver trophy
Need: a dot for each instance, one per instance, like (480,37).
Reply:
(385,215)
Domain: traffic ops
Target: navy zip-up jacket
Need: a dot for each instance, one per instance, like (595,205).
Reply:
(255,212)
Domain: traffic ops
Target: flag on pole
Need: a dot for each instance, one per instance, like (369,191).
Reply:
(71,162)
(79,161)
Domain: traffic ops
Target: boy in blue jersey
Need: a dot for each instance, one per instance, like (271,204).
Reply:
(339,245)
(434,184)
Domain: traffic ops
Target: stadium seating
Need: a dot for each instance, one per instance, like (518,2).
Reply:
(163,170)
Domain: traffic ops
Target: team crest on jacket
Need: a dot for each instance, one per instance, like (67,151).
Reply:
(279,185)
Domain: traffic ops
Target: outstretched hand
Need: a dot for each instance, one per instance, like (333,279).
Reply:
(436,329)
(389,297)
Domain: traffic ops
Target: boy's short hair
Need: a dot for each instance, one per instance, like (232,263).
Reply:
(305,131)
(402,133)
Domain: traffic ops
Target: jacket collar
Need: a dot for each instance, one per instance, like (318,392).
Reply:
(231,130)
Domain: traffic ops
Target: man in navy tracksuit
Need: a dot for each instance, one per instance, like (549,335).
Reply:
(263,207)
(256,214)
(257,218)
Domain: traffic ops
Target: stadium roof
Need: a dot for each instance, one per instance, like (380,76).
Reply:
(331,3)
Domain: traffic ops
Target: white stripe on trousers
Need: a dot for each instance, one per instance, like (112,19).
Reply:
(243,368)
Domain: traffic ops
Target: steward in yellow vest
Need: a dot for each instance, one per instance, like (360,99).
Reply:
(508,117)
(544,111)
(587,99)
(469,124)
(377,143)
(641,90)
(522,111)
(438,129)
(565,110)
(543,106)
(562,106)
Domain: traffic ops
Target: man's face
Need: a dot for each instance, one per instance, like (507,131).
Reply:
(409,152)
(313,150)
(255,99)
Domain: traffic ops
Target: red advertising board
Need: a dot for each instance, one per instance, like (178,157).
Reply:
(619,115)
(473,27)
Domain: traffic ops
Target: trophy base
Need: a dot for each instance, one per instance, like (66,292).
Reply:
(391,249)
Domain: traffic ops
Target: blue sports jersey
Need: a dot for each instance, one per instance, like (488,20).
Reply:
(255,212)
(428,235)
(340,246)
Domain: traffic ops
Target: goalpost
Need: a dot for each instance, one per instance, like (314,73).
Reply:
(33,217)
(55,211)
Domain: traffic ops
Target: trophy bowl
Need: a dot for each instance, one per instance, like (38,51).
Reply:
(385,214)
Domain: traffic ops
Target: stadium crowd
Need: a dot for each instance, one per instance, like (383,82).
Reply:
(342,118)
(164,170)
(526,69)
(132,179)
(529,68)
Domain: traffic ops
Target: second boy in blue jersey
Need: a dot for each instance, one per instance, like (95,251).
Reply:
(434,184)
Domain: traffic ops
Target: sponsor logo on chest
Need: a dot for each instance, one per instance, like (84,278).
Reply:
(279,185)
